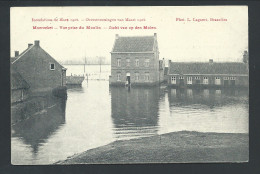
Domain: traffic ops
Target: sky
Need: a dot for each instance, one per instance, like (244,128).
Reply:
(179,41)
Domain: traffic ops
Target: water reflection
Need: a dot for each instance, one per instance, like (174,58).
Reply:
(36,120)
(204,110)
(134,111)
(208,97)
(97,114)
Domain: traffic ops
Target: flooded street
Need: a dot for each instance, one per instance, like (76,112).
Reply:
(95,114)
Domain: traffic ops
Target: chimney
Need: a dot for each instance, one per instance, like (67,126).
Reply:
(155,35)
(210,61)
(37,43)
(16,53)
(117,36)
(29,45)
(169,63)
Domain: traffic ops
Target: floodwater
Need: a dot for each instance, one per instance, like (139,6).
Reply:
(95,114)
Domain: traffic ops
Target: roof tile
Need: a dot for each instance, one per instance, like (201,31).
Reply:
(134,44)
(208,68)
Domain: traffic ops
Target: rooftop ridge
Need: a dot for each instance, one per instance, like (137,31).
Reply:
(137,36)
(207,68)
(133,44)
(207,62)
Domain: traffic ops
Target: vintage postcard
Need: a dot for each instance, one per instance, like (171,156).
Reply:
(121,84)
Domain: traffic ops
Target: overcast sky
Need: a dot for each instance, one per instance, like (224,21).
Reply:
(177,40)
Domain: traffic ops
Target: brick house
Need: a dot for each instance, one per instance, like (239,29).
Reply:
(41,71)
(225,74)
(135,60)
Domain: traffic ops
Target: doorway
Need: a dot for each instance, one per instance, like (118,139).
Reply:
(226,83)
(232,82)
(128,78)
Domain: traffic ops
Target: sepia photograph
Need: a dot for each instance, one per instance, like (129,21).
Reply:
(129,84)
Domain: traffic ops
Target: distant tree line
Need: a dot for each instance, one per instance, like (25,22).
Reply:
(88,61)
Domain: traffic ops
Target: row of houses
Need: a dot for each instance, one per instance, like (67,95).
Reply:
(135,61)
(33,72)
(224,74)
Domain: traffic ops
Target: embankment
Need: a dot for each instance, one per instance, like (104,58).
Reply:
(170,148)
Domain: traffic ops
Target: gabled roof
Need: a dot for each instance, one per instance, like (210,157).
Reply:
(208,68)
(17,81)
(134,44)
(14,59)
(32,47)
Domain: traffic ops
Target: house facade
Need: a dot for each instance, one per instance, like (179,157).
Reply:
(41,71)
(210,74)
(135,61)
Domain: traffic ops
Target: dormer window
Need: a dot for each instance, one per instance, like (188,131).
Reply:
(52,66)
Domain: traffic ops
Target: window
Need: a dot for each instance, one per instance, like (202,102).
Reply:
(217,81)
(181,77)
(147,77)
(136,62)
(189,80)
(118,62)
(205,80)
(127,62)
(232,78)
(218,91)
(173,80)
(197,78)
(136,76)
(118,76)
(52,66)
(147,62)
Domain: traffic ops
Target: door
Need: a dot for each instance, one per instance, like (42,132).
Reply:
(128,78)
(181,82)
(225,82)
(233,82)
